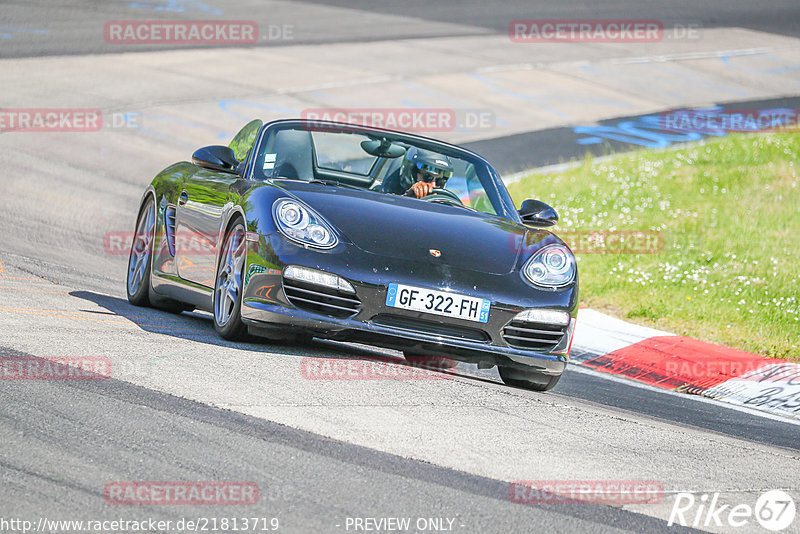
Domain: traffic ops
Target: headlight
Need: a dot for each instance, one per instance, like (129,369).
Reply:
(553,266)
(300,223)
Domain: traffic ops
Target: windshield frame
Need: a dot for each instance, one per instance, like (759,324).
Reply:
(505,203)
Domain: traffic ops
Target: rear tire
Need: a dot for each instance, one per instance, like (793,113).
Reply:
(527,379)
(140,260)
(140,265)
(229,283)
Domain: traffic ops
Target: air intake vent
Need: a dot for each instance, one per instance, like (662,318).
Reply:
(541,337)
(169,224)
(430,327)
(321,299)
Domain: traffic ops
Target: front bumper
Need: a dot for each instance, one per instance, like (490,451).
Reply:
(267,310)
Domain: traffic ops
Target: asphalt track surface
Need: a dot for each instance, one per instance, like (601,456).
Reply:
(311,482)
(556,146)
(186,405)
(42,27)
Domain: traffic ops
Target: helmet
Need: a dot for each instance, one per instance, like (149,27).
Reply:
(419,164)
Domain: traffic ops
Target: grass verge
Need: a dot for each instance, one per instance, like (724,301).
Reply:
(728,214)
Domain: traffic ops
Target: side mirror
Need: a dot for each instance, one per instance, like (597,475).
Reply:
(216,158)
(537,213)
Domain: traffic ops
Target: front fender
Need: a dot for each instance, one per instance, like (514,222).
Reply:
(256,207)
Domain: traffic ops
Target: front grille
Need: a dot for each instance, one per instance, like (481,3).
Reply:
(321,299)
(542,337)
(430,327)
(169,225)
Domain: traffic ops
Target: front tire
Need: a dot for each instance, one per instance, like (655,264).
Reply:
(229,284)
(527,379)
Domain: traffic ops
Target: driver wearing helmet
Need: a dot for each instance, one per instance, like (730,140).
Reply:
(421,172)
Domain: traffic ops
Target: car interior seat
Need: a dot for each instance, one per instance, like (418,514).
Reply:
(391,181)
(294,155)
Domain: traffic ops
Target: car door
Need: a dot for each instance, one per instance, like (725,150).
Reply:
(201,204)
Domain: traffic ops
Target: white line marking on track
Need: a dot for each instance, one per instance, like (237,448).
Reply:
(628,60)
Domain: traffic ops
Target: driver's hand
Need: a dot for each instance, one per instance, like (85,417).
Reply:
(421,189)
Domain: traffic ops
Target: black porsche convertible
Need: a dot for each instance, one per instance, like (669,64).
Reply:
(315,229)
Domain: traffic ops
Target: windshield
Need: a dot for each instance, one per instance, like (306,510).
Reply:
(382,162)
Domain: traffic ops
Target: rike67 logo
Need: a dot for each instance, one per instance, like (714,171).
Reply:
(774,510)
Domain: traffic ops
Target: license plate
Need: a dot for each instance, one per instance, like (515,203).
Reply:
(438,302)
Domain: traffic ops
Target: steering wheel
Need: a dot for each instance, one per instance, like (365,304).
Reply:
(444,196)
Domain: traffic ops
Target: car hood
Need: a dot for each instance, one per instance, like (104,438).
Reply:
(401,227)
